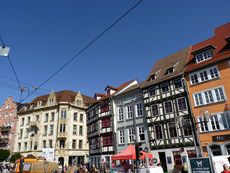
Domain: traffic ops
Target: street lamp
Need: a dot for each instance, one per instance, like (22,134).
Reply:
(4,51)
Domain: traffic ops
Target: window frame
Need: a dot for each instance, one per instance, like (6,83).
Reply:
(185,101)
(171,107)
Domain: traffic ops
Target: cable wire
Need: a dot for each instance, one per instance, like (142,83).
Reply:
(87,46)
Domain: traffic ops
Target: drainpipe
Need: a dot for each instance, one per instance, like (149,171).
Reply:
(195,131)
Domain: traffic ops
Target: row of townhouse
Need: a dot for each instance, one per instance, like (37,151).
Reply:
(181,110)
(55,121)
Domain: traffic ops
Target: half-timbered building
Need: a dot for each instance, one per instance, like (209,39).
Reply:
(168,112)
(101,125)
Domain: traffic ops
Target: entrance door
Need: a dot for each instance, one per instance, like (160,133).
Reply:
(61,161)
(163,161)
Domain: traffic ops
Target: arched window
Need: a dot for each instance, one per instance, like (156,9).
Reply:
(216,150)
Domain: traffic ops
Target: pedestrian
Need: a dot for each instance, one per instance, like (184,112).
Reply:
(226,169)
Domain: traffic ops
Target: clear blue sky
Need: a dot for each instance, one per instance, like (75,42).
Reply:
(44,34)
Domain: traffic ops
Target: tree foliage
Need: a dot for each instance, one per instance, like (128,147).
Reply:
(15,157)
(4,154)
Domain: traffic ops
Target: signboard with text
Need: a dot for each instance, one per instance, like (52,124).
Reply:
(200,165)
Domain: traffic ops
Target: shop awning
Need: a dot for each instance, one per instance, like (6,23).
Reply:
(130,154)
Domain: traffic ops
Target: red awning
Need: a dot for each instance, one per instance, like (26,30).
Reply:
(127,154)
(150,156)
(130,154)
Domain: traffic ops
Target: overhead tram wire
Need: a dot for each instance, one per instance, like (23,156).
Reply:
(86,47)
(15,74)
(33,86)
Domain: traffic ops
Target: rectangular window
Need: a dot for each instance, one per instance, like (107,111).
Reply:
(187,128)
(130,111)
(50,143)
(28,120)
(105,107)
(47,117)
(74,144)
(80,130)
(106,122)
(120,114)
(80,144)
(45,130)
(198,99)
(21,133)
(44,144)
(178,83)
(208,96)
(165,87)
(203,124)
(219,94)
(168,107)
(203,56)
(131,135)
(81,117)
(152,91)
(213,95)
(52,116)
(63,113)
(139,109)
(158,132)
(19,146)
(25,146)
(204,75)
(27,133)
(194,79)
(51,129)
(75,116)
(155,111)
(172,130)
(141,131)
(37,117)
(181,104)
(23,121)
(74,129)
(122,136)
(214,122)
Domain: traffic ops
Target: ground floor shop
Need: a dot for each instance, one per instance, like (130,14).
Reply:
(98,160)
(169,158)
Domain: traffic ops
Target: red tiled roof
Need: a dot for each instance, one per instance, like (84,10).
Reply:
(118,89)
(63,96)
(221,51)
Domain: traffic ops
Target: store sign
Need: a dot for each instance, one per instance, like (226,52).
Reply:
(200,165)
(221,138)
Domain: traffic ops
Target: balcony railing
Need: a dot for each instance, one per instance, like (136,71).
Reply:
(62,135)
(34,123)
(4,140)
(5,129)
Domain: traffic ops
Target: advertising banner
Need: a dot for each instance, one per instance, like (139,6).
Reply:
(48,153)
(219,161)
(200,165)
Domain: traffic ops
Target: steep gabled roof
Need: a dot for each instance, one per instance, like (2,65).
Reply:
(176,61)
(63,96)
(122,86)
(220,44)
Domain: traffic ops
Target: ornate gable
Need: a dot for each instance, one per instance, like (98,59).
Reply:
(51,99)
(79,100)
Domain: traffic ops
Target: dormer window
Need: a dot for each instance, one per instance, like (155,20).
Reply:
(154,76)
(78,102)
(205,55)
(7,106)
(39,104)
(51,102)
(170,70)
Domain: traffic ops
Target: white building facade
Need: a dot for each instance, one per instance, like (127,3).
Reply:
(57,121)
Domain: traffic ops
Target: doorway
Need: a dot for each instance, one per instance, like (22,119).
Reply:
(61,161)
(163,161)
